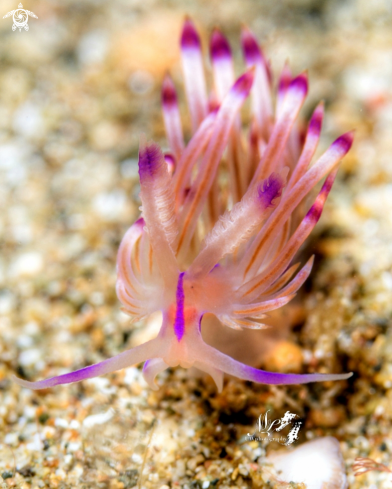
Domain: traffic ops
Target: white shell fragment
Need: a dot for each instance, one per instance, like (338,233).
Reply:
(318,464)
(100,418)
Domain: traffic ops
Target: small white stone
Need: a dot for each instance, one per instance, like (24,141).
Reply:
(136,458)
(61,473)
(13,158)
(28,120)
(93,47)
(361,442)
(258,452)
(206,452)
(110,205)
(141,82)
(61,423)
(97,419)
(132,374)
(319,353)
(24,341)
(387,280)
(68,459)
(31,328)
(36,444)
(11,439)
(48,432)
(27,264)
(205,485)
(74,424)
(380,409)
(74,446)
(243,470)
(29,412)
(102,384)
(76,222)
(97,298)
(317,463)
(29,357)
(7,302)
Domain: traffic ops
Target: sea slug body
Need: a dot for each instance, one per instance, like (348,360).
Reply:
(224,246)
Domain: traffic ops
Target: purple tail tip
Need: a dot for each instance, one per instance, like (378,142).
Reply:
(189,36)
(219,46)
(169,95)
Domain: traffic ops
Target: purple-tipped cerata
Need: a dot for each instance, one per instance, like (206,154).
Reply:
(317,120)
(284,80)
(222,216)
(219,46)
(344,142)
(250,47)
(300,84)
(190,38)
(244,83)
(169,95)
(172,117)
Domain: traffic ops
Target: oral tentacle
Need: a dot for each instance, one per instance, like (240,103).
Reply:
(228,365)
(139,354)
(151,369)
(216,374)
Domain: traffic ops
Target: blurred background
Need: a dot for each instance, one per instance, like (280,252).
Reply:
(76,91)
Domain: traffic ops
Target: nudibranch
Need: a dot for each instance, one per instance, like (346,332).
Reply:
(223,215)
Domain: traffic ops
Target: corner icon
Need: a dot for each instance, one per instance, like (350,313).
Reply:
(20,17)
